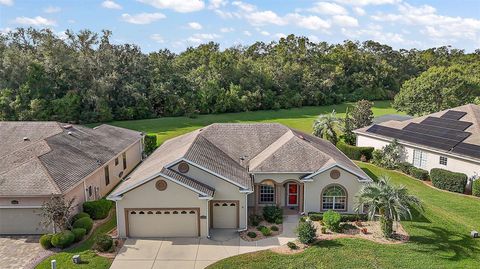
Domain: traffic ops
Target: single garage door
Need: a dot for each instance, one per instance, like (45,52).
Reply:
(163,222)
(225,214)
(20,221)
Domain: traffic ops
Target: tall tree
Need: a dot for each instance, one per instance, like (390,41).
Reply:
(326,126)
(362,114)
(348,135)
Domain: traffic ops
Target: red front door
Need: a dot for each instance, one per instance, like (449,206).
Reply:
(292,194)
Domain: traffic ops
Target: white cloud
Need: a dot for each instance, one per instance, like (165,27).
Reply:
(265,17)
(157,38)
(5,30)
(214,4)
(244,6)
(328,8)
(111,5)
(6,2)
(52,9)
(367,2)
(265,33)
(359,11)
(36,21)
(195,25)
(226,29)
(345,21)
(314,38)
(308,22)
(247,33)
(142,18)
(201,38)
(226,14)
(280,35)
(182,6)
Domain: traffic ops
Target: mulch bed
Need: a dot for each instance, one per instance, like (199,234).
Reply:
(260,236)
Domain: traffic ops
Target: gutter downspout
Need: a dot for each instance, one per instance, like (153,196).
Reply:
(85,190)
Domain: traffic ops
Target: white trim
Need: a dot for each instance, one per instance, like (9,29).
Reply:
(341,166)
(205,197)
(20,206)
(246,191)
(298,172)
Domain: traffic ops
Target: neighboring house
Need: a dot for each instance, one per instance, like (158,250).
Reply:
(41,159)
(449,139)
(216,176)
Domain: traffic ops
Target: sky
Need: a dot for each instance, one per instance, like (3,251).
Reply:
(178,24)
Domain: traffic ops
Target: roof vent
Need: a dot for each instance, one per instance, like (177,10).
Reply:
(68,126)
(25,138)
(70,133)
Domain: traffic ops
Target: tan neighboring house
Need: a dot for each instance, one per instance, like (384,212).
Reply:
(216,176)
(448,139)
(41,159)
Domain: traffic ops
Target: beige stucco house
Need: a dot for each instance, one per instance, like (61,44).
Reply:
(448,139)
(41,159)
(216,176)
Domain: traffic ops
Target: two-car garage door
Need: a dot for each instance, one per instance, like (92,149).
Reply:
(178,222)
(20,221)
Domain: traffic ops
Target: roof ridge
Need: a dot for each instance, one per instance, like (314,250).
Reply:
(215,146)
(49,175)
(191,178)
(262,155)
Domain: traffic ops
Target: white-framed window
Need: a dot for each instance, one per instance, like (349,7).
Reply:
(419,158)
(335,198)
(443,160)
(267,194)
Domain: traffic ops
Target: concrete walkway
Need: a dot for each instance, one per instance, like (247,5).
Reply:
(195,252)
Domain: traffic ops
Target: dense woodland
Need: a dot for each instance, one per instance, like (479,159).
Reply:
(85,78)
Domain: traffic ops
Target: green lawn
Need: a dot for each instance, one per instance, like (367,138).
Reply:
(91,260)
(439,238)
(298,118)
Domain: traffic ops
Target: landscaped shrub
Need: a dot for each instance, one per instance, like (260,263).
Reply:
(418,173)
(252,234)
(292,245)
(447,180)
(79,216)
(405,167)
(103,243)
(259,228)
(266,231)
(150,143)
(332,220)
(63,239)
(323,230)
(315,216)
(386,226)
(85,223)
(352,217)
(273,214)
(476,187)
(79,233)
(303,219)
(255,220)
(274,228)
(46,241)
(306,232)
(98,209)
(355,153)
(377,157)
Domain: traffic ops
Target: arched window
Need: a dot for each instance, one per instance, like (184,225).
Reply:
(334,197)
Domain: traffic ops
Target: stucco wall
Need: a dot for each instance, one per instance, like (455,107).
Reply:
(280,178)
(314,189)
(147,196)
(470,168)
(223,190)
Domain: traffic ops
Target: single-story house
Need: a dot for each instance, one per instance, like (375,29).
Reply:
(216,176)
(41,159)
(449,139)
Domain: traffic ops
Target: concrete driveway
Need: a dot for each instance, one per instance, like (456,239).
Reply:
(193,253)
(17,251)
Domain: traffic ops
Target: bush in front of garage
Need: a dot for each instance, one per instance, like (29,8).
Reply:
(79,233)
(448,180)
(63,239)
(46,241)
(98,209)
(85,223)
(103,243)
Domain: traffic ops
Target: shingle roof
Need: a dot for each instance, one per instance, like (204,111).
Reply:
(60,155)
(233,151)
(209,191)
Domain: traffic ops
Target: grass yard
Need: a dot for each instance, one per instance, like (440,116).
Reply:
(439,238)
(298,118)
(89,257)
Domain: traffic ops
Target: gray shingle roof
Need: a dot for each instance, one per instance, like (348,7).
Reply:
(209,191)
(60,155)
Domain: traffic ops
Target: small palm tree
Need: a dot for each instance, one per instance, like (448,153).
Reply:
(325,126)
(390,201)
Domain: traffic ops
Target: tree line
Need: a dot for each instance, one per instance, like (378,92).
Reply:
(84,77)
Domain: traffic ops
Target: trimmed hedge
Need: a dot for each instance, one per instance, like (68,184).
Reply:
(79,216)
(98,209)
(150,143)
(315,216)
(418,173)
(405,167)
(476,187)
(103,243)
(46,241)
(79,233)
(448,180)
(354,152)
(63,239)
(85,223)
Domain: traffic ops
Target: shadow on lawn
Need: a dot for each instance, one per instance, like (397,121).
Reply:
(370,174)
(445,243)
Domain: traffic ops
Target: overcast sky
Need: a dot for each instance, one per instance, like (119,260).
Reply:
(177,24)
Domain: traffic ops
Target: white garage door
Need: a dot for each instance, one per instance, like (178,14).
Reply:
(20,221)
(225,214)
(163,223)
